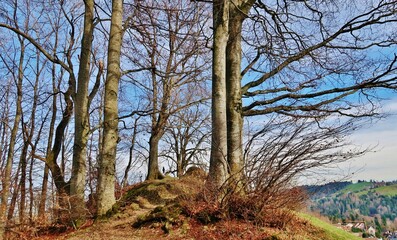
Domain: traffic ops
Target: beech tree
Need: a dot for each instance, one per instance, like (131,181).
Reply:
(106,180)
(218,172)
(299,62)
(82,98)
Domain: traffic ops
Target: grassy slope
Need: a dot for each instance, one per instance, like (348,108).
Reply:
(363,188)
(356,187)
(387,190)
(330,232)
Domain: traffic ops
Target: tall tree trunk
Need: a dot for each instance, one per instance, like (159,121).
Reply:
(106,180)
(32,132)
(218,162)
(10,155)
(183,157)
(22,183)
(234,101)
(153,164)
(81,121)
(31,194)
(44,186)
(153,168)
(43,195)
(179,162)
(237,14)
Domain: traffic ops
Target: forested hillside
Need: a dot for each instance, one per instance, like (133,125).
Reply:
(317,191)
(372,202)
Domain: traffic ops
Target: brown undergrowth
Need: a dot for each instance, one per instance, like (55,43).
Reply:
(186,208)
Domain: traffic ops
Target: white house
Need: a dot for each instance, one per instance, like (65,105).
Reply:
(371,231)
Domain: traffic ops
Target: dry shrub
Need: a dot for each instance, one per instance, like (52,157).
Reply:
(20,232)
(270,209)
(266,209)
(203,206)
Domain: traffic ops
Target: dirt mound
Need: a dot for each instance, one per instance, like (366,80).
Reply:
(168,209)
(148,201)
(150,194)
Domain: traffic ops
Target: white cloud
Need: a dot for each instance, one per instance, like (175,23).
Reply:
(381,164)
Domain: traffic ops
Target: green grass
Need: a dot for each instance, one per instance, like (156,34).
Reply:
(363,188)
(356,187)
(387,190)
(330,232)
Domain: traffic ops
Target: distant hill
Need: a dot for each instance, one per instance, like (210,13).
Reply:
(359,188)
(372,202)
(317,191)
(356,187)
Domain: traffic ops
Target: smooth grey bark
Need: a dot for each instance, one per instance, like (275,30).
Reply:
(153,168)
(227,119)
(106,180)
(237,13)
(234,102)
(218,163)
(81,121)
(157,130)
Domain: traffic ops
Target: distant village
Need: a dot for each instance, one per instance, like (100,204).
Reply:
(360,229)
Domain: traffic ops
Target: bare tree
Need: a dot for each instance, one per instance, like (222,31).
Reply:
(6,178)
(295,72)
(30,139)
(169,35)
(238,12)
(187,136)
(82,100)
(218,172)
(4,122)
(51,128)
(77,93)
(106,180)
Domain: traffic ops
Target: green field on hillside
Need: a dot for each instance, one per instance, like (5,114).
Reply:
(387,190)
(330,232)
(362,188)
(356,187)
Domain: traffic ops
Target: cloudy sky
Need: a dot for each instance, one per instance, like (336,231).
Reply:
(381,164)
